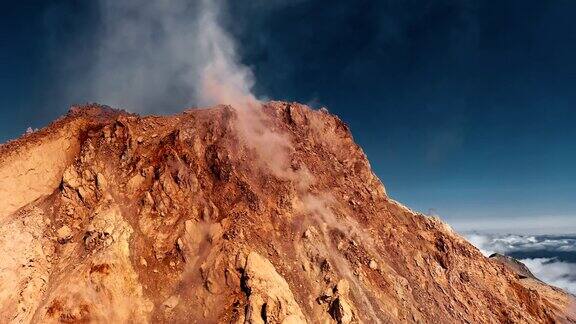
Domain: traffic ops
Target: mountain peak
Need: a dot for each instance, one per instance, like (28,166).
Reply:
(229,215)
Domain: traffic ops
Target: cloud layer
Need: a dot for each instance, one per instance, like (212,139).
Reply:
(557,273)
(550,258)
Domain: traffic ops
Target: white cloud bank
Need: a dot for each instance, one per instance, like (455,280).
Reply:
(557,273)
(551,270)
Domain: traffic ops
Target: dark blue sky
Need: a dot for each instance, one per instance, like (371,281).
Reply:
(464,107)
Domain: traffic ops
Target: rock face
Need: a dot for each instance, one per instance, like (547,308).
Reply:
(269,297)
(214,215)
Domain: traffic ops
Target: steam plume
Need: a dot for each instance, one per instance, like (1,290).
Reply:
(223,79)
(160,56)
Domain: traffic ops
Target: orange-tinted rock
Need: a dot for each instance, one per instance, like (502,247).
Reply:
(191,218)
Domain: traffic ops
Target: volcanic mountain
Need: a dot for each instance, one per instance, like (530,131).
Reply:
(268,215)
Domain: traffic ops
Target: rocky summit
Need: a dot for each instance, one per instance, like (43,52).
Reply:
(227,215)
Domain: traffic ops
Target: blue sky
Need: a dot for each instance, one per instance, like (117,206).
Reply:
(466,109)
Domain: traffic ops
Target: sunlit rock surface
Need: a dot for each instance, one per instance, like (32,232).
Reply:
(107,216)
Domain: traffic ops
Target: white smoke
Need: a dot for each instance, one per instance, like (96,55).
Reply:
(224,80)
(160,56)
(165,55)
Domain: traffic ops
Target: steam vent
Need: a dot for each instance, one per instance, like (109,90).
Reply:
(226,215)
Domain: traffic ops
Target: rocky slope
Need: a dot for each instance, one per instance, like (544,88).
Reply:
(516,266)
(222,215)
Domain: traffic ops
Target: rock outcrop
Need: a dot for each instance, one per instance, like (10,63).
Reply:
(516,266)
(270,299)
(210,216)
